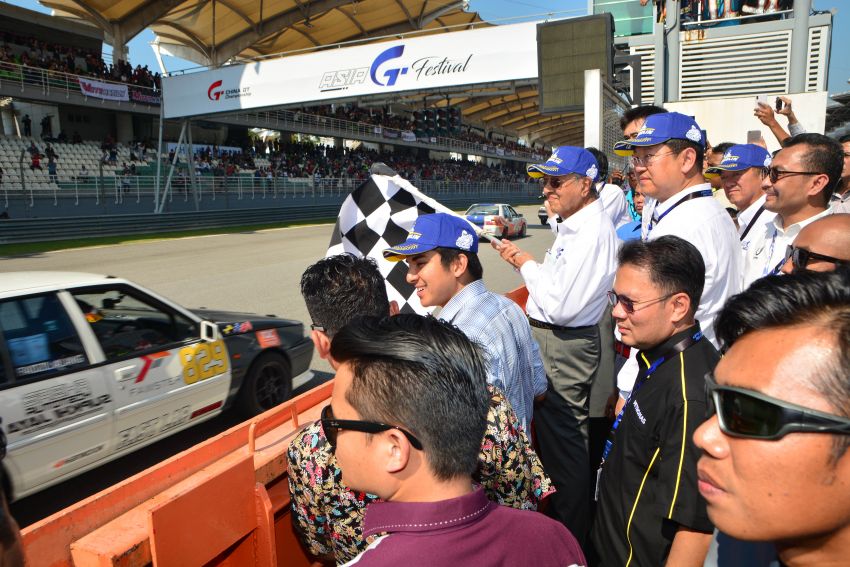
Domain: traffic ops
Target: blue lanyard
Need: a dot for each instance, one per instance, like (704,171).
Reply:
(681,346)
(767,271)
(695,195)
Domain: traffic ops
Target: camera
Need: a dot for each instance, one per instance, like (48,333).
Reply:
(779,104)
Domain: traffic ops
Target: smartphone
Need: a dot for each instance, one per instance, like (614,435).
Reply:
(761,99)
(779,104)
(753,136)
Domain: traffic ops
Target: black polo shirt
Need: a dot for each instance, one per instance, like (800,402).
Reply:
(648,485)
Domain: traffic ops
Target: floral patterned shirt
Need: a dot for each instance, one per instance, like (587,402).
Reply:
(328,516)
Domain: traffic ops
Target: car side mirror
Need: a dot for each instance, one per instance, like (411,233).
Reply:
(209,331)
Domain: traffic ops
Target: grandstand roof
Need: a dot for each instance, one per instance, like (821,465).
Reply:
(212,32)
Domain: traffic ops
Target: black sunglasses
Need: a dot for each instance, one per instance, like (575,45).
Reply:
(331,427)
(629,304)
(555,182)
(777,174)
(800,258)
(752,415)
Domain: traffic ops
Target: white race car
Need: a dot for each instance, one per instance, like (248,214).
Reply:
(497,219)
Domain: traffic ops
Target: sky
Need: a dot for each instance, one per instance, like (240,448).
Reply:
(512,11)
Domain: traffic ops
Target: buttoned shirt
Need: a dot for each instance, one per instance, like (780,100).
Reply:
(467,530)
(500,327)
(748,216)
(568,288)
(614,202)
(840,202)
(766,252)
(328,516)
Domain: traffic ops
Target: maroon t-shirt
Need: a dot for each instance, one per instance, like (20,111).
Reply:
(468,530)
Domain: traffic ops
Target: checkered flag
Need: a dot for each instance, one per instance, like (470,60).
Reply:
(375,216)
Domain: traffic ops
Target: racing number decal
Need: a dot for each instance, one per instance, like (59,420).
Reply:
(203,360)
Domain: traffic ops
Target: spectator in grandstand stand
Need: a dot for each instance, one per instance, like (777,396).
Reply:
(396,371)
(50,153)
(46,127)
(51,170)
(441,253)
(327,515)
(741,172)
(612,197)
(76,138)
(668,154)
(27,122)
(821,246)
(35,162)
(649,508)
(113,155)
(766,114)
(840,201)
(83,175)
(566,301)
(61,137)
(774,465)
(713,157)
(798,188)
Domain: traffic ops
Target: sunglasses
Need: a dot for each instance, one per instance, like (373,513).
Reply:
(331,427)
(776,174)
(752,415)
(555,182)
(629,304)
(800,258)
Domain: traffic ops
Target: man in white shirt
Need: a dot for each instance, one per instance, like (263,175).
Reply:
(798,188)
(840,201)
(566,298)
(668,154)
(741,172)
(612,196)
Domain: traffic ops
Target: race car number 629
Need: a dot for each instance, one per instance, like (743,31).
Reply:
(203,360)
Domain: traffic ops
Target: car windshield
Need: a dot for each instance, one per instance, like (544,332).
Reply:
(483,210)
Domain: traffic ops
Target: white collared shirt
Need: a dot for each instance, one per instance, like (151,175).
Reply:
(614,202)
(767,249)
(569,287)
(747,215)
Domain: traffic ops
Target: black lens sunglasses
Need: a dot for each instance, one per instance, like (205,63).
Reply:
(800,258)
(331,427)
(752,415)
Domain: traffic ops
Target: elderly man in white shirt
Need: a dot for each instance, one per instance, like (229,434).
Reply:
(798,189)
(742,171)
(668,152)
(566,298)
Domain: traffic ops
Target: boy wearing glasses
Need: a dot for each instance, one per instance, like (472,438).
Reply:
(408,411)
(741,172)
(648,509)
(798,186)
(774,465)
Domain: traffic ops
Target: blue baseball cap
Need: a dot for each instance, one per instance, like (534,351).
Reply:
(741,157)
(438,230)
(660,128)
(566,160)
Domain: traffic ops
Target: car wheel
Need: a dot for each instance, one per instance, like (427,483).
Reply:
(504,234)
(544,221)
(522,231)
(267,384)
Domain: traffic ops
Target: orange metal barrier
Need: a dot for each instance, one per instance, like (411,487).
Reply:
(222,502)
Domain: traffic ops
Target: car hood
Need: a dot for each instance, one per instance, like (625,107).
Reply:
(232,322)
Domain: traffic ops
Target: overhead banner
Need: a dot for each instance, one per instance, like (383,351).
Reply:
(106,91)
(487,55)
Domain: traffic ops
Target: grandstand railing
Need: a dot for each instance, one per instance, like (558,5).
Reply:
(58,82)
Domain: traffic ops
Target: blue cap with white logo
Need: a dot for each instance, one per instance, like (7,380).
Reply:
(741,157)
(438,230)
(566,160)
(660,128)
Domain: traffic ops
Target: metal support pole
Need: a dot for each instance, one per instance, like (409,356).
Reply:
(158,163)
(191,162)
(672,41)
(173,163)
(660,65)
(798,70)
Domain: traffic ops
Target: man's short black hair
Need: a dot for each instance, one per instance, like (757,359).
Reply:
(473,263)
(820,299)
(639,112)
(844,138)
(678,145)
(721,148)
(824,155)
(675,265)
(424,375)
(601,161)
(339,288)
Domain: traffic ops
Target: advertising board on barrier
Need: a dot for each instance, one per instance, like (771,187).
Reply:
(487,55)
(106,91)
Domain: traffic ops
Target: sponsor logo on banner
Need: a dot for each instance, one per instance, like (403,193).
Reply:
(392,74)
(408,136)
(136,96)
(216,91)
(105,91)
(391,134)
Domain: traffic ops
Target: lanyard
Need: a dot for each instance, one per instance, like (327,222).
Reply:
(751,223)
(681,346)
(767,270)
(695,195)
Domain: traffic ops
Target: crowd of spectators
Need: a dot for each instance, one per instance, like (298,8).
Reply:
(32,52)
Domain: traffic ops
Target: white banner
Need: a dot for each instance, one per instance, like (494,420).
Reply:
(408,136)
(498,53)
(106,91)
